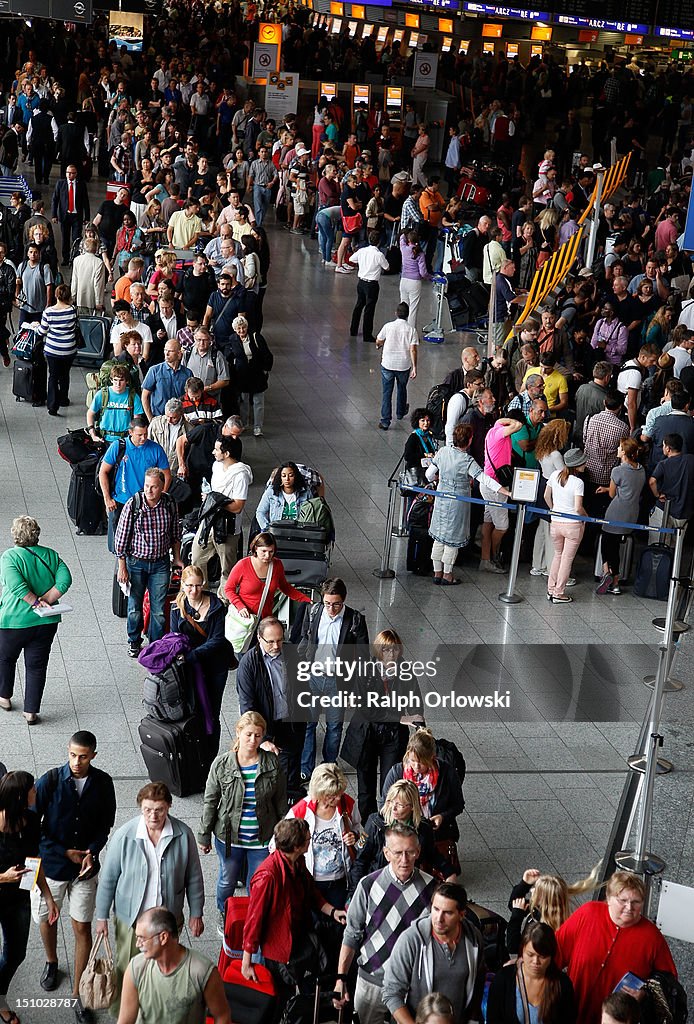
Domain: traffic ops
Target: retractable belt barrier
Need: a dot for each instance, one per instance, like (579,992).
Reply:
(541,511)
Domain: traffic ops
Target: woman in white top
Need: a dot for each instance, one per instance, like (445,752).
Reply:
(548,452)
(564,493)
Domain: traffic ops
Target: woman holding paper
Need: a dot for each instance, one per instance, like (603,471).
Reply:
(33,579)
(19,861)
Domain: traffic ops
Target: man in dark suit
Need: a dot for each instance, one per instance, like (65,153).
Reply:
(263,685)
(9,112)
(331,629)
(73,144)
(164,323)
(70,207)
(42,134)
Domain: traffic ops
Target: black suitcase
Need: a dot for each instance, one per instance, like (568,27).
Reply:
(305,572)
(174,753)
(23,380)
(85,505)
(300,540)
(119,600)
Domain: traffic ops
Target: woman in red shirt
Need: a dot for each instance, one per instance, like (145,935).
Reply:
(601,942)
(246,582)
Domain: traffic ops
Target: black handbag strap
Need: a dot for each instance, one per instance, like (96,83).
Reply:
(523,993)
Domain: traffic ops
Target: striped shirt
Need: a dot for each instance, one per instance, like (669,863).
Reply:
(248,826)
(149,534)
(59,327)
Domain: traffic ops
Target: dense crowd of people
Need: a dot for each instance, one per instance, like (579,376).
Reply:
(594,390)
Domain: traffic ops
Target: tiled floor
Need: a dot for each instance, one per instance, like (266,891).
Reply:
(543,778)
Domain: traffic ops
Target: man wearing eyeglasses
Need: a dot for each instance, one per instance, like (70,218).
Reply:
(167,981)
(263,685)
(331,629)
(384,905)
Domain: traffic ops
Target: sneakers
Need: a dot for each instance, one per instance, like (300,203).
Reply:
(257,431)
(487,566)
(344,269)
(49,978)
(220,923)
(383,426)
(571,582)
(134,649)
(604,584)
(614,590)
(539,572)
(564,599)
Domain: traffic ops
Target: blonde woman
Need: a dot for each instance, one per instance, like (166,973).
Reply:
(199,615)
(400,805)
(335,825)
(245,797)
(542,897)
(435,1008)
(548,451)
(440,790)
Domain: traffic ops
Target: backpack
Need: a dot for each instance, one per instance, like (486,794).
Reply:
(119,458)
(448,752)
(98,379)
(167,695)
(419,516)
(653,573)
(436,405)
(317,511)
(665,1001)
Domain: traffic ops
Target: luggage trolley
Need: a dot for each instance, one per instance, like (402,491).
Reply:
(435,332)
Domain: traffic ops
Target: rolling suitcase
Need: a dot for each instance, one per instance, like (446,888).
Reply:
(626,559)
(305,572)
(95,331)
(23,380)
(175,753)
(85,505)
(77,445)
(119,600)
(251,1002)
(300,540)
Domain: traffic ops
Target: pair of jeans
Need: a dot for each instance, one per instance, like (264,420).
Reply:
(326,236)
(323,687)
(58,381)
(566,537)
(15,919)
(231,868)
(36,643)
(367,297)
(153,576)
(257,401)
(261,202)
(388,379)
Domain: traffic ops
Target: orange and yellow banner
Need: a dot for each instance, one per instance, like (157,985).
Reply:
(550,273)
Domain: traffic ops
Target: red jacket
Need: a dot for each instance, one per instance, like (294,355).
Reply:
(281,901)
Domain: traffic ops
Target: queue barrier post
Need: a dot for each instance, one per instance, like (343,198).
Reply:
(384,571)
(641,860)
(510,596)
(401,530)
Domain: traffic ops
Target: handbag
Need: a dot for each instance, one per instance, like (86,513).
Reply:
(353,223)
(238,630)
(504,474)
(98,981)
(408,478)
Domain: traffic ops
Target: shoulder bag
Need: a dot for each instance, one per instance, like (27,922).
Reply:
(240,631)
(504,474)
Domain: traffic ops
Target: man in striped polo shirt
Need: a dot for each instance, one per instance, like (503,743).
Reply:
(384,904)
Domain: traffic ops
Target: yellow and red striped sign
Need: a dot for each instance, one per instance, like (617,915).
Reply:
(550,273)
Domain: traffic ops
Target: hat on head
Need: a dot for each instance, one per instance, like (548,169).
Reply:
(574,458)
(586,272)
(401,176)
(301,151)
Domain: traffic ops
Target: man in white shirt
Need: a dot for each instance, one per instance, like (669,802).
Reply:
(461,401)
(371,263)
(630,380)
(682,353)
(232,478)
(493,255)
(123,322)
(399,342)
